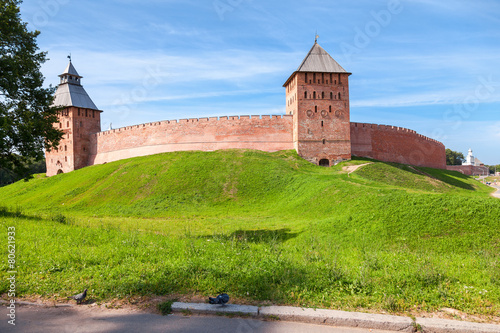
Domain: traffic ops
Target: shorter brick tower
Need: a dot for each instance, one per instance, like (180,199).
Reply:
(317,95)
(78,120)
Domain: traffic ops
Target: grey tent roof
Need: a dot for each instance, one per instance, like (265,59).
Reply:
(70,69)
(71,92)
(68,94)
(318,61)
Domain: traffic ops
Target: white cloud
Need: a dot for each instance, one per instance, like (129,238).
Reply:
(133,67)
(169,29)
(443,97)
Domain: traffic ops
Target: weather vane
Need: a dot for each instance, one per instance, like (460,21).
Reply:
(317,36)
(69,57)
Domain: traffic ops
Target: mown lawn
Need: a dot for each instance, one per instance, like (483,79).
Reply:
(261,227)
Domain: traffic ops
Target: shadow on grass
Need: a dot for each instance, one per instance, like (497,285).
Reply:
(257,236)
(453,178)
(269,279)
(60,218)
(4,212)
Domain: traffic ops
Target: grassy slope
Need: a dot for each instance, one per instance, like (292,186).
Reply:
(262,227)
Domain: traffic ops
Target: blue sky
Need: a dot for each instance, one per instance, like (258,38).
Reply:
(431,66)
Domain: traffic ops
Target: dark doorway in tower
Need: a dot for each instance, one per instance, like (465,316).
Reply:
(59,171)
(324,163)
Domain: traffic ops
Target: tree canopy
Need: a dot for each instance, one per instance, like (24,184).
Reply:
(26,115)
(494,168)
(454,157)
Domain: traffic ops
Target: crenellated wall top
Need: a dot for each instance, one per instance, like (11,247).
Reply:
(176,122)
(394,129)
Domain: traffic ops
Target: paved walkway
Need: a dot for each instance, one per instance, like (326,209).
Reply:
(497,193)
(351,168)
(207,318)
(84,318)
(342,318)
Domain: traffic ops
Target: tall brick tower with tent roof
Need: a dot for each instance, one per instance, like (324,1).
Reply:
(78,119)
(316,124)
(317,95)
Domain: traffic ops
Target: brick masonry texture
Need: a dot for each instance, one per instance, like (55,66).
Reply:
(319,103)
(266,133)
(74,148)
(396,144)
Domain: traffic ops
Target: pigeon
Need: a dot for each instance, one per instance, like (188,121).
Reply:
(79,297)
(221,299)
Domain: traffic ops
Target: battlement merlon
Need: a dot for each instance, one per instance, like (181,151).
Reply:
(393,128)
(175,122)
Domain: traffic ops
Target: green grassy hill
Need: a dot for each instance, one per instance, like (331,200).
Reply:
(194,182)
(262,227)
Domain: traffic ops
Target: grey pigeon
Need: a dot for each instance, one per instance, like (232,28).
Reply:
(79,297)
(221,299)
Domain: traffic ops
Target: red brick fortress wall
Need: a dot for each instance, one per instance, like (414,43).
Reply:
(396,144)
(267,133)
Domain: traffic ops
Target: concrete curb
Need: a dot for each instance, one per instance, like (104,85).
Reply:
(231,309)
(340,318)
(435,325)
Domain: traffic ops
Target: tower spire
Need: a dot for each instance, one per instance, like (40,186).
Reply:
(70,91)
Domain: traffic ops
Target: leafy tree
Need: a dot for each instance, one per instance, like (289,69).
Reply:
(26,115)
(454,157)
(493,168)
(10,176)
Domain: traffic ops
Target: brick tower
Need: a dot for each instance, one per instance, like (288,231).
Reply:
(79,119)
(317,95)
